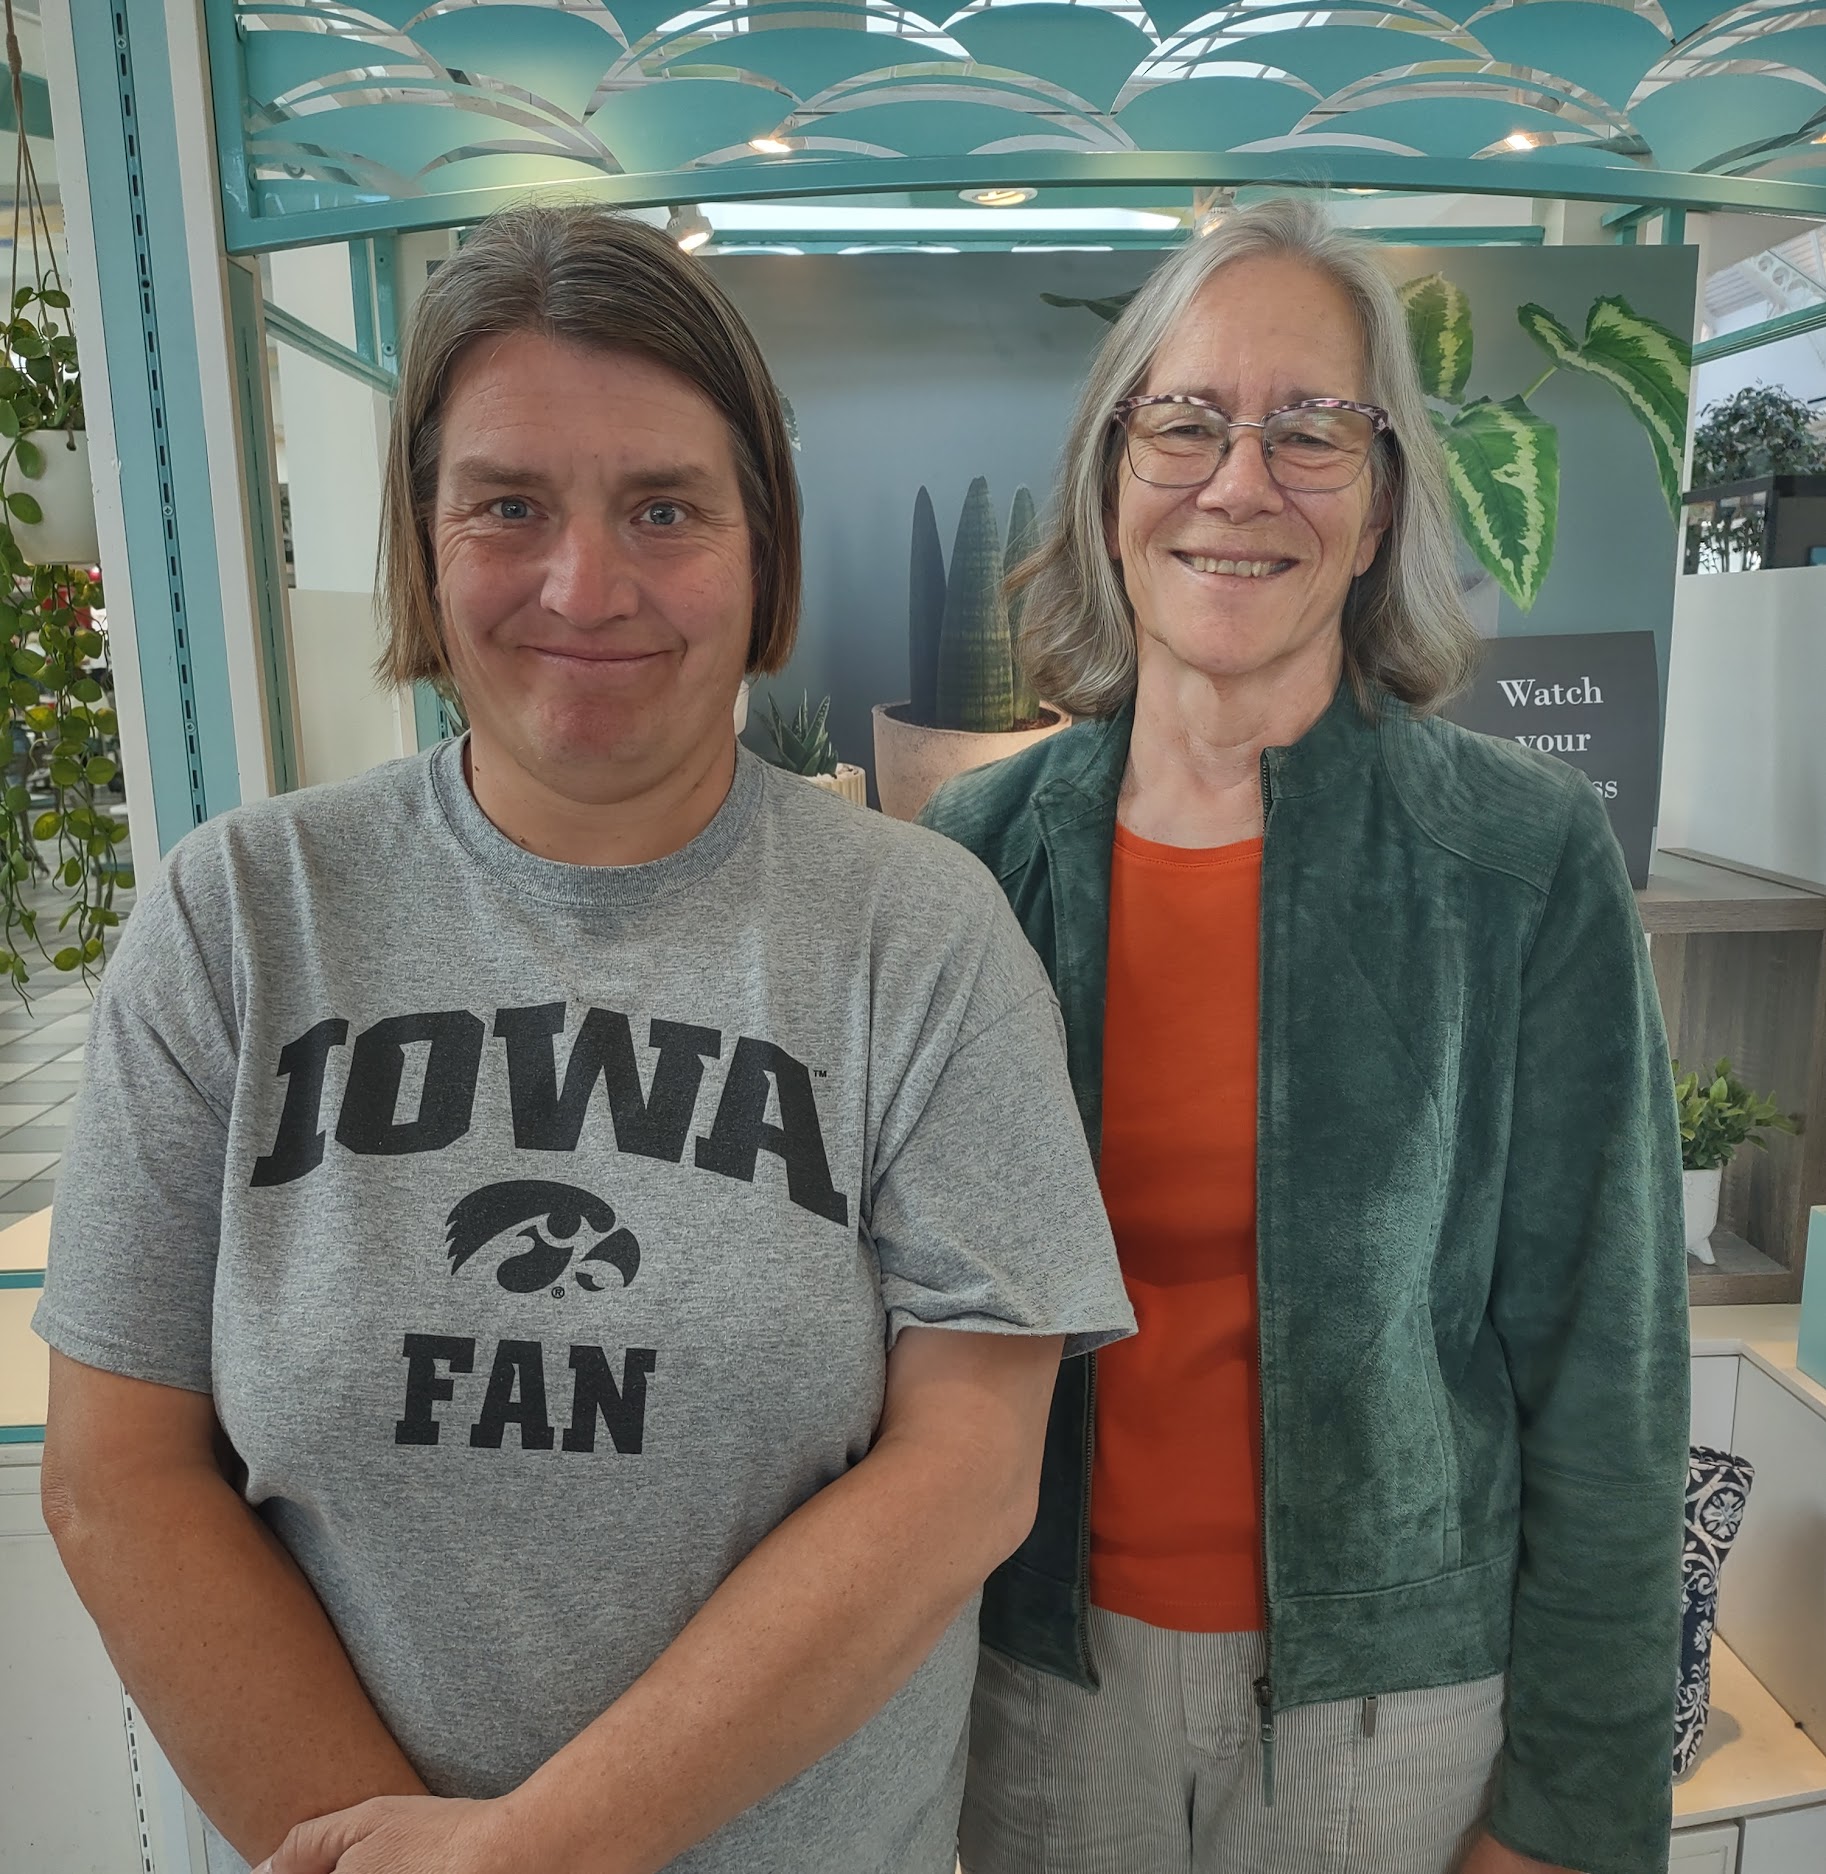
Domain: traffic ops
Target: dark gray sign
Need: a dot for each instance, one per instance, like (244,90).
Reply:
(1593,701)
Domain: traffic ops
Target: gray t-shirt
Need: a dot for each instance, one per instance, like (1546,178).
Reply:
(541,1232)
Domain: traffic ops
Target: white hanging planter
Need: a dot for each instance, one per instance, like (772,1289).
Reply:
(66,535)
(848,783)
(1700,1190)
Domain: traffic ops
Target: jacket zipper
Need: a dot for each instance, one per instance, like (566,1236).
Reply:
(1264,1686)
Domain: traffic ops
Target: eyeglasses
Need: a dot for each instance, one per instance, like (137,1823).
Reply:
(1314,447)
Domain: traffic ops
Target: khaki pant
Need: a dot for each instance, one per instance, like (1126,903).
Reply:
(1161,1772)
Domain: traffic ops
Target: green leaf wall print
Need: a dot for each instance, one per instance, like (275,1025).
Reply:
(1503,467)
(1648,365)
(1439,330)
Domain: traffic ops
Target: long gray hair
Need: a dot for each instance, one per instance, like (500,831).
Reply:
(1405,628)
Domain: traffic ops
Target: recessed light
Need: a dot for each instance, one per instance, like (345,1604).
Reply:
(1518,140)
(998,198)
(771,146)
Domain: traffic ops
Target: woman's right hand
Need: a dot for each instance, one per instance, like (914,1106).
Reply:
(403,1835)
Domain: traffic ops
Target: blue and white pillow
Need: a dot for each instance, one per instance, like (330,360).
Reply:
(1718,1486)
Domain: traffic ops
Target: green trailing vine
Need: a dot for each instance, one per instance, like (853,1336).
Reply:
(58,755)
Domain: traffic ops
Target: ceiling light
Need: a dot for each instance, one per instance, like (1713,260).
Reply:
(771,146)
(998,198)
(1518,140)
(689,227)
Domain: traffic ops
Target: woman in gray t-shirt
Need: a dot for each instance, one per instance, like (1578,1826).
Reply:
(501,1416)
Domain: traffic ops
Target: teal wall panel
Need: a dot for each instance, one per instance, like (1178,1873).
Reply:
(130,143)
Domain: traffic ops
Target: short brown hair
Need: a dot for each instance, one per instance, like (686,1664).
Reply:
(601,280)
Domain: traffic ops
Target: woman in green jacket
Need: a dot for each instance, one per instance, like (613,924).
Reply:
(1363,1557)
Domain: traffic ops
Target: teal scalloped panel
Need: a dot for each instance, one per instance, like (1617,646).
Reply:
(1443,126)
(273,63)
(394,13)
(1687,16)
(1212,113)
(559,57)
(1802,47)
(1460,10)
(934,127)
(400,137)
(1331,57)
(1698,120)
(510,170)
(804,60)
(638,18)
(672,121)
(1602,48)
(1084,50)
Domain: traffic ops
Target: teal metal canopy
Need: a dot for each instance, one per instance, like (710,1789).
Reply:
(337,121)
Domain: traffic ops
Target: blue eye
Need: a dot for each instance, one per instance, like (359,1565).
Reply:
(513,508)
(664,513)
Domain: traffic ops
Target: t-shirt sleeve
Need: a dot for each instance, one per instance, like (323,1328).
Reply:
(130,1282)
(984,1207)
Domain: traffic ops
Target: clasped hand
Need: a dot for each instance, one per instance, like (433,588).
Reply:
(400,1835)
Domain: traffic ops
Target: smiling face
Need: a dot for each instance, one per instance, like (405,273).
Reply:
(593,570)
(1240,578)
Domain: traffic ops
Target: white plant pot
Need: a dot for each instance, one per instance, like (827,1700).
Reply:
(1700,1190)
(912,763)
(66,535)
(849,781)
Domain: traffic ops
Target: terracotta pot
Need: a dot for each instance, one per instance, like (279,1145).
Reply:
(1700,1190)
(912,763)
(66,535)
(849,781)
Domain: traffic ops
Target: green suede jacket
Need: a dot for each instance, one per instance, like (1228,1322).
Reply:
(1471,1277)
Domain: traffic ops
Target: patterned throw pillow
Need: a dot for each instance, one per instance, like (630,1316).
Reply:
(1718,1486)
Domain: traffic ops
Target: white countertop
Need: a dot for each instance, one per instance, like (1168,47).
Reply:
(1755,1758)
(1764,1336)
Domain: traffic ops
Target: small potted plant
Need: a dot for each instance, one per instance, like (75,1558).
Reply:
(1716,1117)
(804,746)
(971,703)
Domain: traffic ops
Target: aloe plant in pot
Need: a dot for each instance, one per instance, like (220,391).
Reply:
(804,748)
(971,703)
(1717,1115)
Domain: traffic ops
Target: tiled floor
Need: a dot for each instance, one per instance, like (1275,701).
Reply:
(40,1068)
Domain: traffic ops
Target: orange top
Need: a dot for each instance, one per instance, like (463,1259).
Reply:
(1176,1518)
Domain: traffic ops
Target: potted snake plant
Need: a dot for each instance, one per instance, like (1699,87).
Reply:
(971,703)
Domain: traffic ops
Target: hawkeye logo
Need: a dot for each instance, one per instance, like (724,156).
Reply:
(564,1228)
(573,1220)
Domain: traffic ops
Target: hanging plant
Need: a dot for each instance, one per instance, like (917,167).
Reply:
(59,752)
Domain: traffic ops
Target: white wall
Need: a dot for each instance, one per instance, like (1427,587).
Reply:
(1744,765)
(335,449)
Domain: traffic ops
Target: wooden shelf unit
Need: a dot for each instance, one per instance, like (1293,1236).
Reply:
(1740,959)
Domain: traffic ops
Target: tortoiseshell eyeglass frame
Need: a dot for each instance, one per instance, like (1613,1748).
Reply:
(1379,420)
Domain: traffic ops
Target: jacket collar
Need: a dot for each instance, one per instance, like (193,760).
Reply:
(1337,744)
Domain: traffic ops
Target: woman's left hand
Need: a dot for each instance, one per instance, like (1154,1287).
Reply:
(400,1835)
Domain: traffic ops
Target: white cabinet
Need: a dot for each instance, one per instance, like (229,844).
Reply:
(67,1800)
(1791,1842)
(1772,1592)
(1705,1850)
(1714,1400)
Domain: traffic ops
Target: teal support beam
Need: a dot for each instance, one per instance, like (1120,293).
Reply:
(361,287)
(430,716)
(799,178)
(293,331)
(254,404)
(1627,234)
(1674,227)
(150,325)
(386,302)
(1769,332)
